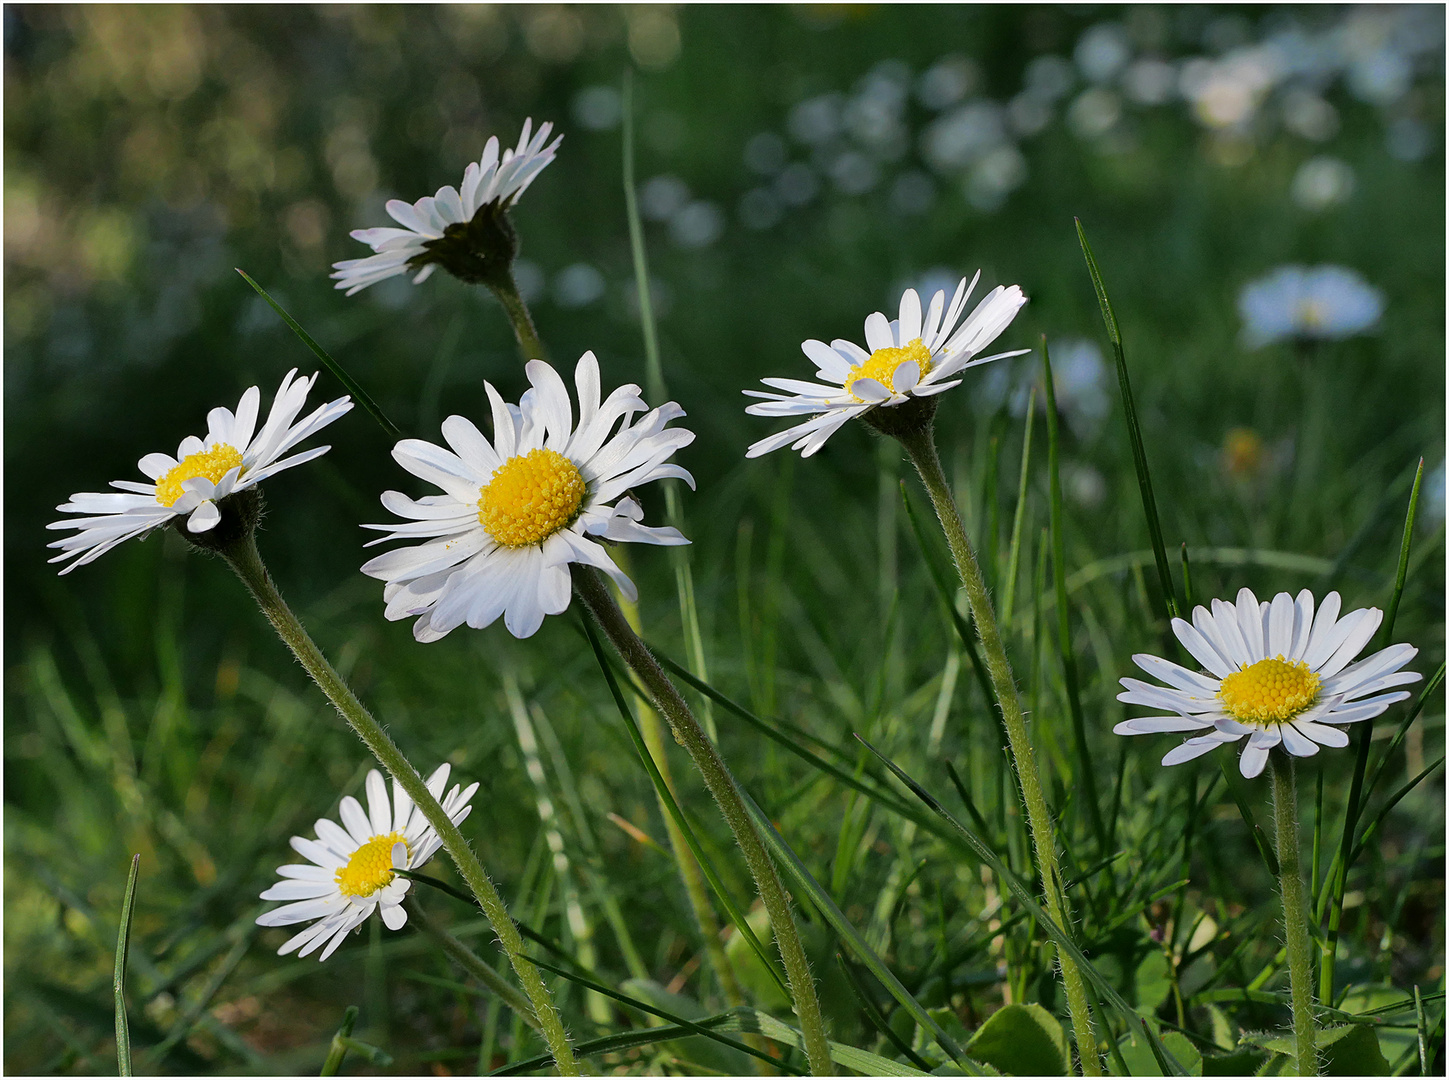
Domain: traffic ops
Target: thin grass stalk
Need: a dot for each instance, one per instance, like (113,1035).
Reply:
(123,950)
(502,990)
(1013,556)
(1295,915)
(337,1050)
(244,558)
(920,444)
(595,595)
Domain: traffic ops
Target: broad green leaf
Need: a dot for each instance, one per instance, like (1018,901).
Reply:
(1140,1062)
(1153,982)
(1242,1062)
(1349,1050)
(1022,1040)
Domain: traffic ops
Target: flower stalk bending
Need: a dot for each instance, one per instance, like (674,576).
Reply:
(912,426)
(595,596)
(242,555)
(1295,915)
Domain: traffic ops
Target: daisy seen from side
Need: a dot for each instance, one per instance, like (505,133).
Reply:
(1278,672)
(518,509)
(913,356)
(351,868)
(461,229)
(233,457)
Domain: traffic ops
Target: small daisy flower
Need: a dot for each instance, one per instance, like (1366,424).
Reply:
(201,475)
(516,511)
(1275,672)
(350,872)
(1327,302)
(914,356)
(454,228)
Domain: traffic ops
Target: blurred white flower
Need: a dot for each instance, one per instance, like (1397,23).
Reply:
(350,870)
(697,225)
(1310,302)
(434,229)
(1226,93)
(947,81)
(1275,672)
(797,184)
(1094,112)
(200,476)
(853,172)
(765,153)
(996,176)
(1150,81)
(1322,182)
(1102,52)
(1084,484)
(598,108)
(1049,78)
(1306,113)
(517,510)
(578,286)
(1434,495)
(1408,139)
(816,120)
(957,138)
(1028,114)
(911,357)
(1080,380)
(661,197)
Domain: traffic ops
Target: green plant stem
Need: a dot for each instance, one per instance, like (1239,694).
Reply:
(920,443)
(1295,914)
(595,595)
(247,562)
(475,965)
(338,1049)
(506,289)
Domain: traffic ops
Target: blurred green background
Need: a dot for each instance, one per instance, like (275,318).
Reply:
(799,166)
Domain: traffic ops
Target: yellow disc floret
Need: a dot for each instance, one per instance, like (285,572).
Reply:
(370,867)
(531,497)
(883,363)
(212,464)
(1271,691)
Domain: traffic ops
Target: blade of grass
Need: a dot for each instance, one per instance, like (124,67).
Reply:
(1134,429)
(123,949)
(1008,592)
(1260,839)
(877,1019)
(1024,896)
(1421,1027)
(1360,764)
(1087,777)
(1189,601)
(338,1050)
(1393,801)
(361,396)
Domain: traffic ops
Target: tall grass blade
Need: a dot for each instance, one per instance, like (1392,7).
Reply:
(361,396)
(1134,429)
(1023,894)
(1260,839)
(1189,600)
(1013,556)
(123,949)
(1435,681)
(1087,774)
(1393,801)
(667,798)
(1360,765)
(876,1018)
(338,1050)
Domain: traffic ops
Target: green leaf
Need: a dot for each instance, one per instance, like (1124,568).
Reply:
(1242,1062)
(123,948)
(1022,1040)
(1350,1050)
(695,1049)
(1137,1055)
(1153,981)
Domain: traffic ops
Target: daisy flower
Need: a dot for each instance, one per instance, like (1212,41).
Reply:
(1276,672)
(350,872)
(911,357)
(1327,302)
(203,473)
(516,511)
(449,228)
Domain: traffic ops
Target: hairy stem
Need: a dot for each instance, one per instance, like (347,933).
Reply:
(1295,914)
(920,443)
(247,562)
(506,289)
(595,595)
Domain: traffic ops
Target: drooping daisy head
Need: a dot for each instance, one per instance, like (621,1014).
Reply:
(351,868)
(912,357)
(1279,673)
(1326,302)
(233,457)
(463,230)
(517,510)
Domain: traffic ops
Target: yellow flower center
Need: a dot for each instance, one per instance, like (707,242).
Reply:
(212,464)
(883,363)
(531,497)
(370,867)
(1271,691)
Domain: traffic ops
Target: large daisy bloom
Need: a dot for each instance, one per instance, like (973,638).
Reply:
(203,472)
(913,356)
(1276,672)
(495,181)
(350,868)
(517,510)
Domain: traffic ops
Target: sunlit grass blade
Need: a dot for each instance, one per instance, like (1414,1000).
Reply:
(361,396)
(123,949)
(817,895)
(1260,838)
(1393,801)
(1023,894)
(667,798)
(1435,681)
(1087,774)
(1422,1029)
(1360,765)
(876,1018)
(1013,553)
(1134,429)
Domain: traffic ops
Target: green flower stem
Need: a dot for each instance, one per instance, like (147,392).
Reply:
(920,443)
(475,965)
(244,558)
(595,595)
(506,289)
(1295,914)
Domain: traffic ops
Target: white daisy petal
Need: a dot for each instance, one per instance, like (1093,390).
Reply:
(1295,742)
(1196,747)
(1363,624)
(1322,734)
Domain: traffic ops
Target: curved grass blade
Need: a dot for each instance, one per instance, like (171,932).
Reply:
(1169,1064)
(667,798)
(1260,839)
(123,948)
(338,1050)
(1378,818)
(361,396)
(874,1015)
(1013,552)
(1134,429)
(1435,680)
(841,925)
